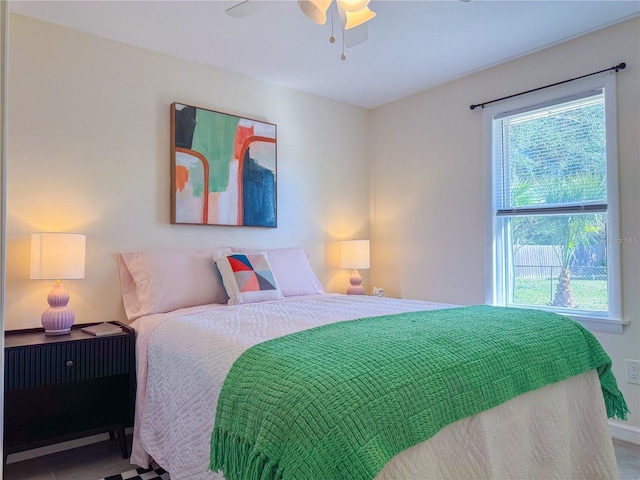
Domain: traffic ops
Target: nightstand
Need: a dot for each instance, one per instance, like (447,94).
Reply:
(65,387)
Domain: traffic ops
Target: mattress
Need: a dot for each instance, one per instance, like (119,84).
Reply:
(559,431)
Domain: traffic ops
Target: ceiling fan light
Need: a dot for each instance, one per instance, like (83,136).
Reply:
(352,5)
(315,10)
(355,19)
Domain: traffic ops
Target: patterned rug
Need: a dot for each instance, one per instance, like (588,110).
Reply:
(153,473)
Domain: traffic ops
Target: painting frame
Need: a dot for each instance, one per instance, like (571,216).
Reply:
(223,169)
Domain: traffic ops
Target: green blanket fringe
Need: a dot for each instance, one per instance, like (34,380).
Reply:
(613,399)
(240,439)
(240,458)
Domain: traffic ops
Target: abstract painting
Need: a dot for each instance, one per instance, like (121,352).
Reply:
(223,169)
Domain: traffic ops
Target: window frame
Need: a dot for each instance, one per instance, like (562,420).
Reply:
(495,266)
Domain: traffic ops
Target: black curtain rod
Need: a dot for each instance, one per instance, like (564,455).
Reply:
(620,66)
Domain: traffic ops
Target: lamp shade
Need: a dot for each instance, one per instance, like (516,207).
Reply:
(315,10)
(352,5)
(57,256)
(355,19)
(354,254)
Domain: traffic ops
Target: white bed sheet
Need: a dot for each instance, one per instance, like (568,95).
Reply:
(183,357)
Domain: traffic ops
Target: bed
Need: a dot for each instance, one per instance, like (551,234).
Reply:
(184,354)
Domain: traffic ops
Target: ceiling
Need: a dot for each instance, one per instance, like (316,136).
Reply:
(412,46)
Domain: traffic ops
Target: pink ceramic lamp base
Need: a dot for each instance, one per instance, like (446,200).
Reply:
(58,318)
(356,287)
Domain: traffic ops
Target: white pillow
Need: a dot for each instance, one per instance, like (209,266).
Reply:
(158,281)
(248,277)
(292,270)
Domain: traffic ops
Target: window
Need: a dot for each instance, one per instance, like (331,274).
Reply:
(554,210)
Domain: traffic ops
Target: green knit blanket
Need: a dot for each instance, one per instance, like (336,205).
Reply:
(339,401)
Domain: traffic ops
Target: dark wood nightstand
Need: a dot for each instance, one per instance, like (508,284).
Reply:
(65,387)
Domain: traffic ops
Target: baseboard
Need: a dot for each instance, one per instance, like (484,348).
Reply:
(60,447)
(624,432)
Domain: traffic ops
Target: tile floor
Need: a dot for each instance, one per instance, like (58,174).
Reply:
(102,459)
(84,463)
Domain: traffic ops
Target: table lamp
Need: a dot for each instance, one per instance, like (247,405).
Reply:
(354,254)
(57,256)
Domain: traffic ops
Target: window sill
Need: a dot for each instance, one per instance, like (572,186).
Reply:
(592,323)
(598,324)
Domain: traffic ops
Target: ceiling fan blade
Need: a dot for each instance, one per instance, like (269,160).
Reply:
(245,8)
(355,36)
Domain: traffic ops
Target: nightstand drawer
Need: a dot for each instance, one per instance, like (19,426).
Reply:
(58,363)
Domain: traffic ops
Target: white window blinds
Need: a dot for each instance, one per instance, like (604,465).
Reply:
(551,158)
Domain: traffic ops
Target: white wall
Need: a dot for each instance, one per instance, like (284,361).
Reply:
(89,153)
(427,217)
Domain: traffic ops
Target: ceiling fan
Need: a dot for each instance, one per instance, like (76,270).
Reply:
(352,14)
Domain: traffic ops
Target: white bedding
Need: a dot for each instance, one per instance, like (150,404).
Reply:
(559,431)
